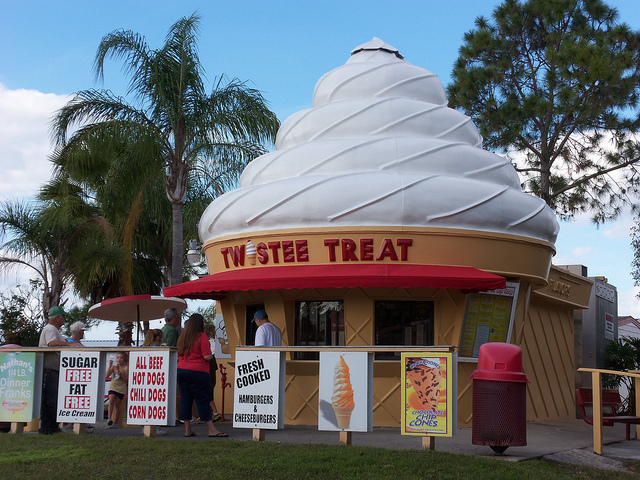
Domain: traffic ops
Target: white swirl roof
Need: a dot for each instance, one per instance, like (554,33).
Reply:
(381,148)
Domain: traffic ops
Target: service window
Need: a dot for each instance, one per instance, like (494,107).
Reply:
(250,324)
(403,323)
(488,317)
(319,324)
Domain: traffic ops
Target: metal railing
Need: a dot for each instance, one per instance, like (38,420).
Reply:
(596,378)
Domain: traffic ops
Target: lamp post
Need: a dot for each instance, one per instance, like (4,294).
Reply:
(194,257)
(193,254)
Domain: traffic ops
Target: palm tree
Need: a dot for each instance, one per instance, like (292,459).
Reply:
(130,258)
(44,237)
(174,124)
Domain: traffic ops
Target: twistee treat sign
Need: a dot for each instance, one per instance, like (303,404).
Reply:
(259,390)
(78,387)
(148,388)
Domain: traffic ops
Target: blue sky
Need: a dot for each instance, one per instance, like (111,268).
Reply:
(280,47)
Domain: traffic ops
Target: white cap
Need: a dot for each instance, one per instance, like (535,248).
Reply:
(76,327)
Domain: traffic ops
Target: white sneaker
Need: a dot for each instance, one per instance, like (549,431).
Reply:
(109,422)
(113,426)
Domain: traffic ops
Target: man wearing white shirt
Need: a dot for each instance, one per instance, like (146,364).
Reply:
(51,337)
(267,335)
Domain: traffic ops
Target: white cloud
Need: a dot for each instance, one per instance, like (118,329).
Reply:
(628,302)
(621,228)
(24,150)
(575,255)
(24,140)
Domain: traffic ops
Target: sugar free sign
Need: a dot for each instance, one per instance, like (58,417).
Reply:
(78,387)
(148,387)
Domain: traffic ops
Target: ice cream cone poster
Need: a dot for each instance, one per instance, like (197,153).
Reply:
(258,392)
(428,396)
(17,377)
(346,391)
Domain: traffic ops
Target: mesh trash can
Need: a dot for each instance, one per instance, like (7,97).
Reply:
(499,398)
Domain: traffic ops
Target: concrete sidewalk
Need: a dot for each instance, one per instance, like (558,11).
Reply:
(563,440)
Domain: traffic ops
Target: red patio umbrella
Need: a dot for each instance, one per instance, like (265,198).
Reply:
(135,308)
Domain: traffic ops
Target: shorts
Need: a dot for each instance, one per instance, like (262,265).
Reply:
(117,394)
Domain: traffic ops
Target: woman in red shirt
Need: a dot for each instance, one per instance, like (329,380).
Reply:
(194,353)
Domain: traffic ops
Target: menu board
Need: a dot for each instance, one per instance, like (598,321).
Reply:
(488,318)
(429,396)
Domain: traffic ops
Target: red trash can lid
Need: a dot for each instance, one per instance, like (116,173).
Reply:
(501,362)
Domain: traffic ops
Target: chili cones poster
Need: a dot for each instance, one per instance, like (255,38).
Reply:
(429,387)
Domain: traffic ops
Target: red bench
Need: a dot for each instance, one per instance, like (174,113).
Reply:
(611,401)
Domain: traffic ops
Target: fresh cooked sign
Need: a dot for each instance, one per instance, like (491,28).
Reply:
(148,399)
(259,390)
(78,387)
(17,386)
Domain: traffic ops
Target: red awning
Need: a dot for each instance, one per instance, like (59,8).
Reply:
(336,276)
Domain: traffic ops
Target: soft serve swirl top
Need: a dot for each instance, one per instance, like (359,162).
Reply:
(380,147)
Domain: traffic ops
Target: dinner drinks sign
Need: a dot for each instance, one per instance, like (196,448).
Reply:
(17,375)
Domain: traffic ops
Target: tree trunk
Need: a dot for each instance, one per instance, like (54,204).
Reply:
(178,247)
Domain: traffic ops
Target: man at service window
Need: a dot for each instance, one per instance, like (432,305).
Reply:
(51,337)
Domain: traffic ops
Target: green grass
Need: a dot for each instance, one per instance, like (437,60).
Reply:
(68,456)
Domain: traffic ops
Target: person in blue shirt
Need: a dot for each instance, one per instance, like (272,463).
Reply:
(77,332)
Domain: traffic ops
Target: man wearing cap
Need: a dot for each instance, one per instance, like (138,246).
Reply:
(267,335)
(51,337)
(77,332)
(171,325)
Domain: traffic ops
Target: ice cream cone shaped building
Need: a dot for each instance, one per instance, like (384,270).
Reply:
(370,224)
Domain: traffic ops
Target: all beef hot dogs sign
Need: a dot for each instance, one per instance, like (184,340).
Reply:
(152,376)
